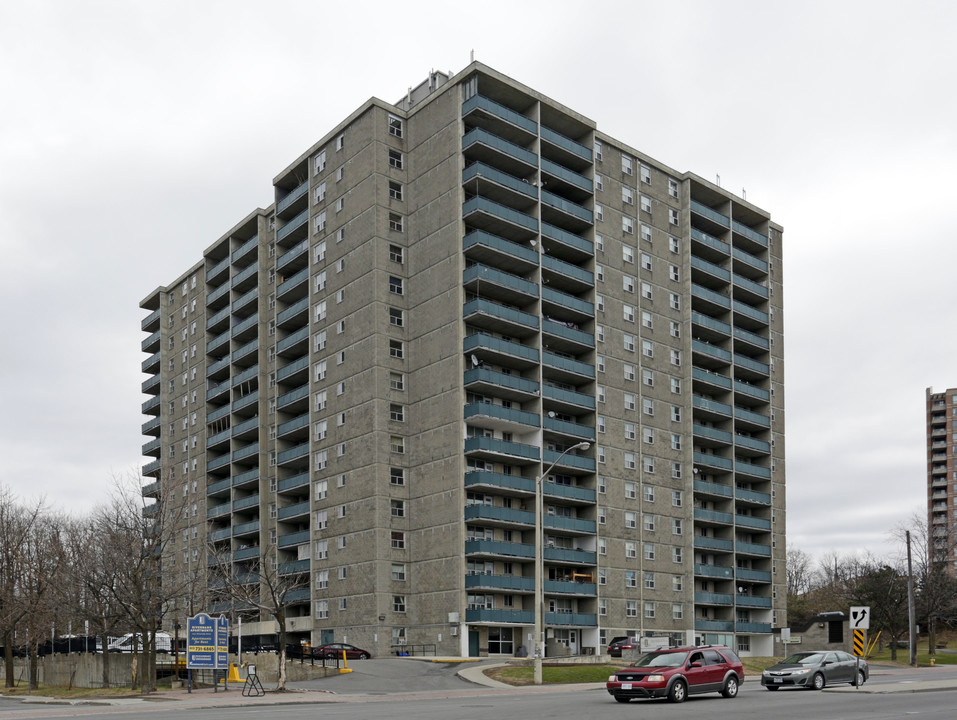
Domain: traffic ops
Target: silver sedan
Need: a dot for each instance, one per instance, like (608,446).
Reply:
(815,669)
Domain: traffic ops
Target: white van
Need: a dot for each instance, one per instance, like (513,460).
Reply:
(125,644)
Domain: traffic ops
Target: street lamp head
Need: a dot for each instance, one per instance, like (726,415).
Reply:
(583,445)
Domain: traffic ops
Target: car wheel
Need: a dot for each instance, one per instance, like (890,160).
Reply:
(678,692)
(364,656)
(817,682)
(618,698)
(859,680)
(730,688)
(771,687)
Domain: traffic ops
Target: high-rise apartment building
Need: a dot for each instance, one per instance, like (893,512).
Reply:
(451,297)
(941,474)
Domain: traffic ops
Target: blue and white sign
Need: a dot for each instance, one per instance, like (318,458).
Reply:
(207,642)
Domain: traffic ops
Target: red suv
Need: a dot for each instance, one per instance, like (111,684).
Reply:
(676,673)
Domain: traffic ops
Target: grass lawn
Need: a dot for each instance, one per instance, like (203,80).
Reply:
(23,690)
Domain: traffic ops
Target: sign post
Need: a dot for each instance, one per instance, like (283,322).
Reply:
(207,645)
(860,624)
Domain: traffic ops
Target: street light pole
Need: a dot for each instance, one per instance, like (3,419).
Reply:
(540,564)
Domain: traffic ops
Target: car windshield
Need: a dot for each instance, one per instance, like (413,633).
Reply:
(804,659)
(662,660)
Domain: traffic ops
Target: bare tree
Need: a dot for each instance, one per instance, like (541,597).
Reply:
(17,523)
(258,583)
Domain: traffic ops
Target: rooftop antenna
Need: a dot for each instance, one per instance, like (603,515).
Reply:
(744,194)
(472,55)
(718,179)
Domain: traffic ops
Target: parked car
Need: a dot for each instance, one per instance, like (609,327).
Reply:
(815,669)
(334,650)
(676,673)
(621,643)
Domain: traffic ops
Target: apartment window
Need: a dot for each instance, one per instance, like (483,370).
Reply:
(647,348)
(396,412)
(676,357)
(398,572)
(395,222)
(646,291)
(322,520)
(395,126)
(341,388)
(398,540)
(629,371)
(340,327)
(631,549)
(677,554)
(631,578)
(646,233)
(395,285)
(629,431)
(600,363)
(599,183)
(645,173)
(627,195)
(649,581)
(598,151)
(342,601)
(397,444)
(396,254)
(628,314)
(672,216)
(599,273)
(648,435)
(396,476)
(648,522)
(319,194)
(675,441)
(340,204)
(395,190)
(395,159)
(675,328)
(320,430)
(397,508)
(648,377)
(673,187)
(396,317)
(396,349)
(627,283)
(319,162)
(676,526)
(599,242)
(630,463)
(676,385)
(600,394)
(648,465)
(629,401)
(650,610)
(629,340)
(600,424)
(319,252)
(631,519)
(319,370)
(676,497)
(677,583)
(318,312)
(674,300)
(627,165)
(600,333)
(599,213)
(627,254)
(674,245)
(602,607)
(600,303)
(676,470)
(398,603)
(396,381)
(631,608)
(340,295)
(674,272)
(627,225)
(645,204)
(648,406)
(600,454)
(340,173)
(675,413)
(319,222)
(319,341)
(631,490)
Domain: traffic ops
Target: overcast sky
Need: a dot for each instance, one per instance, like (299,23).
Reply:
(134,134)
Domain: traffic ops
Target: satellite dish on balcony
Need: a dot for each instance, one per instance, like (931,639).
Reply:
(475,361)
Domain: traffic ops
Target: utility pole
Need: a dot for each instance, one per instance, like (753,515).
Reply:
(912,643)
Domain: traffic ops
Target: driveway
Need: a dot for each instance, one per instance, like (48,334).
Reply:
(388,676)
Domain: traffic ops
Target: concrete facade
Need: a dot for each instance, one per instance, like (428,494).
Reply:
(941,408)
(363,382)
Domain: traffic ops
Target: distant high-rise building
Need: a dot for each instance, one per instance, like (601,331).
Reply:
(451,297)
(941,471)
